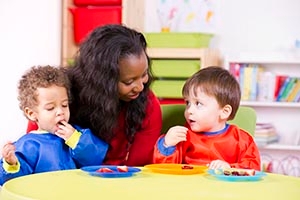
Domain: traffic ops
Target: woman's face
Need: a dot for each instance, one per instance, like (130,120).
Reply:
(133,76)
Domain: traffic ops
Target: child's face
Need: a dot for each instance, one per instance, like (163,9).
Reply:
(133,76)
(203,113)
(53,107)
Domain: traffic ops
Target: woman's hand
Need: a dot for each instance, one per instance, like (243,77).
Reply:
(175,135)
(8,153)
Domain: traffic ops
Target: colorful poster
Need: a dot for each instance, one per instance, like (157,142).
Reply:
(181,16)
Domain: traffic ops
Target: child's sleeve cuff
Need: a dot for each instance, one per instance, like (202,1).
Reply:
(74,139)
(11,168)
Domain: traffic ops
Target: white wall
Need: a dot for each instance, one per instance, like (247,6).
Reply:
(248,25)
(30,35)
(257,25)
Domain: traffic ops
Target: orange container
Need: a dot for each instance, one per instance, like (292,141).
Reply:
(87,18)
(97,2)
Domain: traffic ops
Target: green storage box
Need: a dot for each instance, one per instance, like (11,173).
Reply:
(175,68)
(178,40)
(168,88)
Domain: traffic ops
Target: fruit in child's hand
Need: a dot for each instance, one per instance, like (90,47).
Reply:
(122,168)
(105,170)
(60,123)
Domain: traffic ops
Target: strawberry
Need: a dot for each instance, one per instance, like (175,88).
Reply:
(122,168)
(105,170)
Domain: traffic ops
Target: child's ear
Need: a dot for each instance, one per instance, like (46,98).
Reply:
(226,111)
(30,114)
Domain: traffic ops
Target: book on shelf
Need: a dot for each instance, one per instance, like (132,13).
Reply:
(288,88)
(265,133)
(259,85)
(279,80)
(247,82)
(260,126)
(257,70)
(297,98)
(293,93)
(234,69)
(283,87)
(265,141)
(248,77)
(266,86)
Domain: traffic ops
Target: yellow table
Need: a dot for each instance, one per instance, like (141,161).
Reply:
(76,184)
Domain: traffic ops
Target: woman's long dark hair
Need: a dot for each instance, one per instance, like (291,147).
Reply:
(94,82)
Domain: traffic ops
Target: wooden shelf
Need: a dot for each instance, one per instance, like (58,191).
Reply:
(68,47)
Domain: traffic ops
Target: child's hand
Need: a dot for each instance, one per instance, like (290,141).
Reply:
(175,135)
(65,130)
(218,164)
(8,153)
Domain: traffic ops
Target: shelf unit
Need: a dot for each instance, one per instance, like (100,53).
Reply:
(69,48)
(207,56)
(285,116)
(172,66)
(271,104)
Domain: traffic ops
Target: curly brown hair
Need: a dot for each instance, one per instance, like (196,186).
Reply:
(40,77)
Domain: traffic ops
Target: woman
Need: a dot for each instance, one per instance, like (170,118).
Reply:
(110,94)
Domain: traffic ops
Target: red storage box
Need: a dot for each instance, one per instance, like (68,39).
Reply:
(97,2)
(87,18)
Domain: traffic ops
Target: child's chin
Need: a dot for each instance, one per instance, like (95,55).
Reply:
(196,130)
(55,129)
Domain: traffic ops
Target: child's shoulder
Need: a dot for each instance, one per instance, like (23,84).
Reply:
(234,129)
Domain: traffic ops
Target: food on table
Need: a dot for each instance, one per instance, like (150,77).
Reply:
(113,169)
(122,168)
(238,172)
(105,170)
(187,167)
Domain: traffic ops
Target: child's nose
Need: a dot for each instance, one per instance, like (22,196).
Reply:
(59,112)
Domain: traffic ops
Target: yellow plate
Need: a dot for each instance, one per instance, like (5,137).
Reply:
(182,169)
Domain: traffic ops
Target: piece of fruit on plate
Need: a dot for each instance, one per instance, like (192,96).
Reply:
(238,172)
(123,168)
(187,167)
(104,170)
